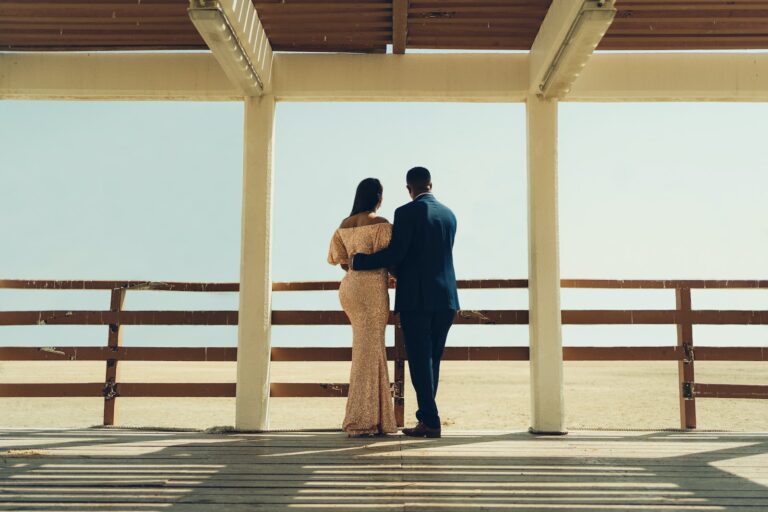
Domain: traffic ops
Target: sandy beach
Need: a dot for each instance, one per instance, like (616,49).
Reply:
(477,395)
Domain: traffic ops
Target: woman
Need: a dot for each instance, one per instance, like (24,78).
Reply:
(365,300)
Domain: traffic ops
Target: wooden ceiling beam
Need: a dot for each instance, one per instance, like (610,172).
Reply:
(109,76)
(399,26)
(412,77)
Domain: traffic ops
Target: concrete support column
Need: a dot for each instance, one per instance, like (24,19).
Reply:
(547,404)
(253,335)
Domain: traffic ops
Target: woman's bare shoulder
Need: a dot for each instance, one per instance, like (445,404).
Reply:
(349,222)
(359,220)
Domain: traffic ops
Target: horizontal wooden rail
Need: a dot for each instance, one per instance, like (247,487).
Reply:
(277,389)
(508,317)
(165,390)
(569,317)
(66,390)
(664,284)
(119,354)
(334,285)
(664,317)
(123,389)
(287,390)
(729,391)
(484,317)
(111,285)
(320,354)
(75,317)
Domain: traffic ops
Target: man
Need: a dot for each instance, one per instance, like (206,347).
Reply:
(421,252)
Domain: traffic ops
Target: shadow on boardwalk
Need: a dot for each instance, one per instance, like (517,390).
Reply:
(118,469)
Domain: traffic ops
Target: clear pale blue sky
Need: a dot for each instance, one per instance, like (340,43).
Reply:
(94,190)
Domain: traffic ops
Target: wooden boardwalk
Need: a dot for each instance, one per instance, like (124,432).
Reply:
(118,469)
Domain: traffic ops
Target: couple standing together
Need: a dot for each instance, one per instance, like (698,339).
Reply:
(417,249)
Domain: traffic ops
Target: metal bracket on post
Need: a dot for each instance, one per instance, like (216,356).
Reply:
(110,391)
(688,354)
(688,390)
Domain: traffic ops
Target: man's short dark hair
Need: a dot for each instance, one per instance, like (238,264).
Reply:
(418,177)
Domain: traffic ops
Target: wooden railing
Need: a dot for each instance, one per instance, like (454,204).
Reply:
(683,316)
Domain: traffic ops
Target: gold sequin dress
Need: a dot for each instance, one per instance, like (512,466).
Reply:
(365,300)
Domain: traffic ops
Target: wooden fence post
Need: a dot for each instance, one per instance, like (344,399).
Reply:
(685,372)
(114,340)
(399,375)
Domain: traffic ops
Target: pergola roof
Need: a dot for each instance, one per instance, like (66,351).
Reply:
(367,25)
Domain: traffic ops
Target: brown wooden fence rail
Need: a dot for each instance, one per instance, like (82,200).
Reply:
(683,316)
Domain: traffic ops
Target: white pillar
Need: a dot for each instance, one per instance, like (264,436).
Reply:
(547,406)
(253,335)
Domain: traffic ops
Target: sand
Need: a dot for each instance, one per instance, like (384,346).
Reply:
(476,395)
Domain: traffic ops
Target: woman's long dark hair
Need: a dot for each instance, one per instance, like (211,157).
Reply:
(368,196)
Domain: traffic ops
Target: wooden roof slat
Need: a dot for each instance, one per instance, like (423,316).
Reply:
(686,31)
(321,8)
(691,5)
(320,19)
(63,9)
(86,20)
(361,41)
(259,3)
(124,39)
(684,42)
(487,33)
(382,35)
(46,29)
(319,48)
(478,9)
(329,27)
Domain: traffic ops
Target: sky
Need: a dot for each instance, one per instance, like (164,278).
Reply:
(152,191)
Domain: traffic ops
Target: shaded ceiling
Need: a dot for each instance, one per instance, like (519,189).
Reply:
(366,25)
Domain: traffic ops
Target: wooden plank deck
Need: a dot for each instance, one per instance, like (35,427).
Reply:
(122,469)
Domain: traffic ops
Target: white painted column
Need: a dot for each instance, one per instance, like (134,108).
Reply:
(253,340)
(547,404)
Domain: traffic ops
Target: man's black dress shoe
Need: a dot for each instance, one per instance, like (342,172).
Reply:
(421,430)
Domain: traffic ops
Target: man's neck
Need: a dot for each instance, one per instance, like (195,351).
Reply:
(422,194)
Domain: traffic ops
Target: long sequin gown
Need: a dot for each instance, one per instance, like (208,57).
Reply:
(365,300)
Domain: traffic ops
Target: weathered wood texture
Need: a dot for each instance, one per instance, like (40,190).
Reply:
(369,25)
(114,469)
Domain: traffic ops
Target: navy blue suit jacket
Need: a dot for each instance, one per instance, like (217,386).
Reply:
(421,252)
